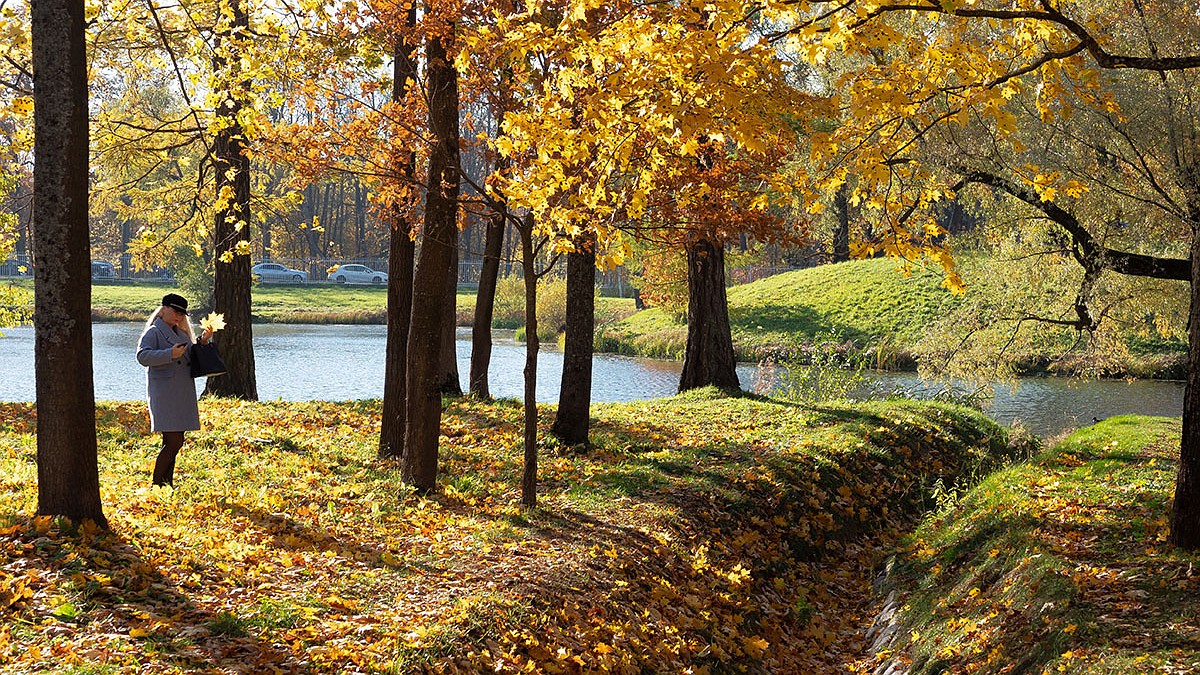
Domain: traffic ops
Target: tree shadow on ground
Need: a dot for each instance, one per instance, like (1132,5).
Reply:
(96,596)
(288,534)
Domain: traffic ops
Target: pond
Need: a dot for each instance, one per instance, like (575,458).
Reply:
(335,363)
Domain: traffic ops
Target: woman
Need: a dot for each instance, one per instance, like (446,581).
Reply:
(169,384)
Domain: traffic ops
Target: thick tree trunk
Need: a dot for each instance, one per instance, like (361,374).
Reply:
(231,280)
(400,274)
(1185,514)
(451,384)
(485,302)
(709,358)
(529,475)
(424,406)
(68,477)
(575,393)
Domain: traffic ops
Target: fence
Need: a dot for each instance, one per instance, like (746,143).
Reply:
(612,282)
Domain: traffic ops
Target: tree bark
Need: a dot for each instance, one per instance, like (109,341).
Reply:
(529,475)
(400,272)
(231,280)
(575,393)
(1185,513)
(451,383)
(708,358)
(424,401)
(68,476)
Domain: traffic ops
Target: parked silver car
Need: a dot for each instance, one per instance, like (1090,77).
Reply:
(274,272)
(357,274)
(102,269)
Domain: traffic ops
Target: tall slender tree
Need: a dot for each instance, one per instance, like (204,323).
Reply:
(529,270)
(840,251)
(485,299)
(643,96)
(400,262)
(490,267)
(231,227)
(438,241)
(68,475)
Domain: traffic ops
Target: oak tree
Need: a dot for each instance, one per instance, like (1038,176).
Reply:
(1079,114)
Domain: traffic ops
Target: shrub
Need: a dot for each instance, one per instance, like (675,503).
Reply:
(509,310)
(551,308)
(831,368)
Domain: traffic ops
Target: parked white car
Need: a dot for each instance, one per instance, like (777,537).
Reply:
(269,271)
(357,274)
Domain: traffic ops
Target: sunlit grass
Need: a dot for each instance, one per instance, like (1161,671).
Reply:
(865,300)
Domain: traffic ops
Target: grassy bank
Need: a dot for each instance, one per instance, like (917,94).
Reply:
(692,537)
(307,303)
(271,303)
(880,312)
(1055,565)
(867,301)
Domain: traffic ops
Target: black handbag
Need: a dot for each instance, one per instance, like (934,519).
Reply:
(205,360)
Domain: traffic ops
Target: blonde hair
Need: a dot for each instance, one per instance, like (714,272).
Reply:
(187,324)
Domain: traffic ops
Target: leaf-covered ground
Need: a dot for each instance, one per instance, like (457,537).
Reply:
(701,534)
(1055,565)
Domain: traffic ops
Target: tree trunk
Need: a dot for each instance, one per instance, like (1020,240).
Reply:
(485,301)
(360,218)
(1185,513)
(424,402)
(709,358)
(231,280)
(575,392)
(266,239)
(400,273)
(68,476)
(324,220)
(841,230)
(451,384)
(529,475)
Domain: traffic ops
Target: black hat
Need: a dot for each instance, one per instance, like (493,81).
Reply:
(175,302)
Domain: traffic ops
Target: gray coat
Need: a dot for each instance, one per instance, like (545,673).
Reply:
(169,384)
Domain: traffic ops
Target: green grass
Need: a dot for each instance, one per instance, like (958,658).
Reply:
(271,303)
(1058,564)
(895,320)
(286,303)
(869,301)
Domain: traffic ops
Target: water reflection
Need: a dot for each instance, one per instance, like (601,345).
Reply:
(309,362)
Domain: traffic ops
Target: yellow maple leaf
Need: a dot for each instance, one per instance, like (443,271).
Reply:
(755,646)
(213,322)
